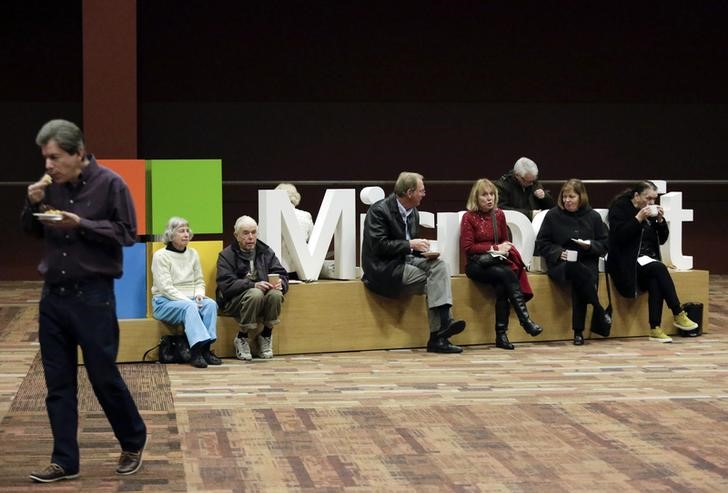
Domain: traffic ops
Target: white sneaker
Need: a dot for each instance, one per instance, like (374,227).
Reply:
(242,349)
(265,347)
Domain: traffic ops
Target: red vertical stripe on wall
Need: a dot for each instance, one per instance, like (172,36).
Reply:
(110,77)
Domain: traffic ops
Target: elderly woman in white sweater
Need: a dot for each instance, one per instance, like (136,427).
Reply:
(178,292)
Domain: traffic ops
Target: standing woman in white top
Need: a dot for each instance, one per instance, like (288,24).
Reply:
(178,292)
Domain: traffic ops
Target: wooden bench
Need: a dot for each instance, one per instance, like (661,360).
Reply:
(330,316)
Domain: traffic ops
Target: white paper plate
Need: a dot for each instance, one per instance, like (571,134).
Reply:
(45,216)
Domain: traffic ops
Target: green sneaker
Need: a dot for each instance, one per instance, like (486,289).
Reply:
(682,322)
(657,334)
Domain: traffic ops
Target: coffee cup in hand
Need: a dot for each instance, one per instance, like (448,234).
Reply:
(274,279)
(572,255)
(653,210)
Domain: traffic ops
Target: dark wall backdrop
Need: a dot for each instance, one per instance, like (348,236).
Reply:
(329,90)
(443,140)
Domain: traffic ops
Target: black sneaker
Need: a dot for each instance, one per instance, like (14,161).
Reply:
(198,361)
(53,472)
(210,358)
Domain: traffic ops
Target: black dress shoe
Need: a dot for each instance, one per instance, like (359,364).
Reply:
(211,358)
(501,341)
(442,345)
(578,339)
(454,327)
(532,327)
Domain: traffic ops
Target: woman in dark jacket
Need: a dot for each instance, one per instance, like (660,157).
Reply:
(573,226)
(637,228)
(483,230)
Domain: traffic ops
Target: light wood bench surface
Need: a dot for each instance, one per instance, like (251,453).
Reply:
(330,316)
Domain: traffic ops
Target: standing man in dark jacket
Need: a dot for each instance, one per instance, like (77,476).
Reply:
(84,214)
(393,263)
(520,190)
(251,283)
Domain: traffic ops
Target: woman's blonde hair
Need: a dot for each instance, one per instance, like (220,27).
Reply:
(482,185)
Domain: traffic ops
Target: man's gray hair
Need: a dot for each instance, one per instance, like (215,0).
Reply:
(242,221)
(66,134)
(172,225)
(525,166)
(406,181)
(293,194)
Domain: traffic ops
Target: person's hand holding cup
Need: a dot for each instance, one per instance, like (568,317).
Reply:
(653,210)
(275,280)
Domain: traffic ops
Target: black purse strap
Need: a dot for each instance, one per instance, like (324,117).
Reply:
(609,289)
(144,358)
(495,227)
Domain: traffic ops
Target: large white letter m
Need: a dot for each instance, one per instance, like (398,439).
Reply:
(335,219)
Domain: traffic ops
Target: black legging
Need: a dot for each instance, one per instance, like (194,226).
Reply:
(583,292)
(655,279)
(501,277)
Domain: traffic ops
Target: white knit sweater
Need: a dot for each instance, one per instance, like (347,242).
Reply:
(177,276)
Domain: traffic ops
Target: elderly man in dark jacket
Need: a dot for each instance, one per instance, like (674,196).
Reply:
(251,283)
(520,190)
(394,265)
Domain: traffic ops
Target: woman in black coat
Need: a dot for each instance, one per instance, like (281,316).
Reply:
(637,228)
(571,239)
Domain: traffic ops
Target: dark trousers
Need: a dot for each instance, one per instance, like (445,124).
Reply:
(501,277)
(584,283)
(507,292)
(84,314)
(655,279)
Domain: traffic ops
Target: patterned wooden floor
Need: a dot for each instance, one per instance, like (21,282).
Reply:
(624,415)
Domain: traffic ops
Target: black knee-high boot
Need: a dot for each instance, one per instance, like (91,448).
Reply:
(502,311)
(519,306)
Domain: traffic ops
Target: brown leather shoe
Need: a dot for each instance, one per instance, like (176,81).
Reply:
(53,472)
(131,462)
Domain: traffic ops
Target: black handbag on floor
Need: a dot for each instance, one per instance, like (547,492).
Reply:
(172,349)
(695,313)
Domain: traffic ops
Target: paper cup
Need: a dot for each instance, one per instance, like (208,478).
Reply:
(571,255)
(653,210)
(274,279)
(433,246)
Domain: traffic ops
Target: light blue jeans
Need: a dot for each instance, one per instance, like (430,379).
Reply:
(199,322)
